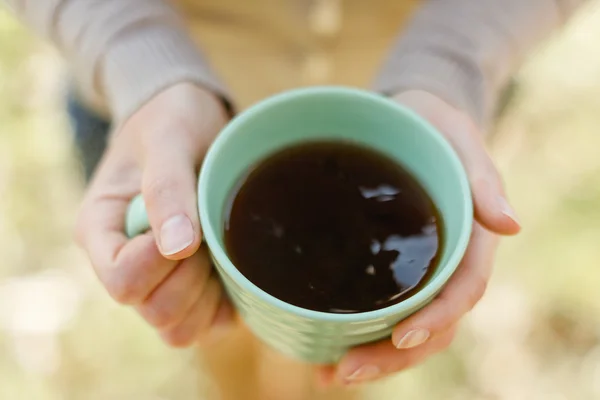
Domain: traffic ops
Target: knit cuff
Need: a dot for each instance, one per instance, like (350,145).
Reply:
(145,61)
(451,77)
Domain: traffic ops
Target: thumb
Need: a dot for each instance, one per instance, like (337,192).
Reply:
(492,208)
(169,191)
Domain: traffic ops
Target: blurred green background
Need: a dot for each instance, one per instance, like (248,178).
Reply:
(536,334)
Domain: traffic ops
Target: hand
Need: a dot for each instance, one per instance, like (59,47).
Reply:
(164,274)
(432,329)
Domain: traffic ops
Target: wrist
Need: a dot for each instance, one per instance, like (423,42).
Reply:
(437,111)
(148,61)
(188,111)
(212,104)
(450,77)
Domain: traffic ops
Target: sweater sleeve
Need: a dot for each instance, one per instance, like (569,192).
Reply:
(465,50)
(122,52)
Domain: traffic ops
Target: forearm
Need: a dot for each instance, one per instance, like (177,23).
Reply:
(122,52)
(465,50)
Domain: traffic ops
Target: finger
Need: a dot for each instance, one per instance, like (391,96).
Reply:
(491,206)
(130,270)
(102,212)
(224,317)
(134,272)
(463,291)
(379,355)
(171,301)
(375,361)
(169,191)
(195,326)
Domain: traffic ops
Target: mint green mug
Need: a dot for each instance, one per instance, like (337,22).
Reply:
(326,113)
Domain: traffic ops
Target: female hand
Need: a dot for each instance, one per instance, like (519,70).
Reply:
(164,274)
(432,329)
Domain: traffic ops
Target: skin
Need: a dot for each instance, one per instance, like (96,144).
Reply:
(167,277)
(159,149)
(438,322)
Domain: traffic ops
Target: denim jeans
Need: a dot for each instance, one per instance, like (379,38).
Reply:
(90,133)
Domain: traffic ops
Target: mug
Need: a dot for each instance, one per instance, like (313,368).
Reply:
(326,113)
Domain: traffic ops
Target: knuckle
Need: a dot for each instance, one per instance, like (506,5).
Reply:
(159,188)
(160,314)
(122,290)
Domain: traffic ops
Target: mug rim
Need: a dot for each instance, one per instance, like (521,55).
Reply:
(210,234)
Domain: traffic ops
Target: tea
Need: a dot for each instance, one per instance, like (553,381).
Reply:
(333,227)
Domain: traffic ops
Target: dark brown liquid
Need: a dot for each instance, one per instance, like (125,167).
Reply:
(333,227)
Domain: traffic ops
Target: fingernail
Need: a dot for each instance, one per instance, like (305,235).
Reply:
(364,373)
(507,210)
(413,338)
(176,234)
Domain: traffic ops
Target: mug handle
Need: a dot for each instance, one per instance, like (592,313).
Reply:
(136,219)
